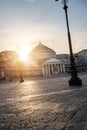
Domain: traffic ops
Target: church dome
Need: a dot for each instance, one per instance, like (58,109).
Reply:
(40,47)
(42,53)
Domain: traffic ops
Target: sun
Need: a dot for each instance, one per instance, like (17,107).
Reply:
(24,53)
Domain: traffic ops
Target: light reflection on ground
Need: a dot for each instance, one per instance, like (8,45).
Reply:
(48,104)
(45,94)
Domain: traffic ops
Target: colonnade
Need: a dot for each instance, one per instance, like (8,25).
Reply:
(47,69)
(53,69)
(15,73)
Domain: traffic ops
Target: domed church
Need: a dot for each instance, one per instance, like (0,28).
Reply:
(41,53)
(45,57)
(43,62)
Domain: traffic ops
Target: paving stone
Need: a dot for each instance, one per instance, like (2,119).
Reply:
(43,104)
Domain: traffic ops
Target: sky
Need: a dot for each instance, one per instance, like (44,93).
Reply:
(26,22)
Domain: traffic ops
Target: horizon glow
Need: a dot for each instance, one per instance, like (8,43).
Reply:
(28,21)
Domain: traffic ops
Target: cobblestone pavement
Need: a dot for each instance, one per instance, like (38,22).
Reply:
(43,104)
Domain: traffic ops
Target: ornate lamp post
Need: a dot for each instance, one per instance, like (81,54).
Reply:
(74,80)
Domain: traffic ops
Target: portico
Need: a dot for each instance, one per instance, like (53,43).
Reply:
(53,66)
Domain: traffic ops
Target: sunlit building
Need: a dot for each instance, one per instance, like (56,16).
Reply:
(8,59)
(43,61)
(11,66)
(81,61)
(45,57)
(41,53)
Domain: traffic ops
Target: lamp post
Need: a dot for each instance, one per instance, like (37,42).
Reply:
(21,75)
(10,70)
(10,75)
(74,80)
(20,67)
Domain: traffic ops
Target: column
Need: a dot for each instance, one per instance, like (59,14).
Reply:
(49,69)
(43,69)
(61,68)
(46,70)
(2,74)
(58,68)
(52,69)
(64,68)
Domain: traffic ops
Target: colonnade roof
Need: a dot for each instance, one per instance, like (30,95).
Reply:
(53,60)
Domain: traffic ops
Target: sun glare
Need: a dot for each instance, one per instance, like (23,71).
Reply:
(24,53)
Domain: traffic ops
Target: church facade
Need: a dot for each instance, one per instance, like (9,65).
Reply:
(46,58)
(53,66)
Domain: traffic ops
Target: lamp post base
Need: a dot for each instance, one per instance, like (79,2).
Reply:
(75,81)
(21,80)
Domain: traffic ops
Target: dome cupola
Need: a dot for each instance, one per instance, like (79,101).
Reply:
(42,53)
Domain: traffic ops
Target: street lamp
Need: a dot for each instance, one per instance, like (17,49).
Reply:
(74,80)
(21,75)
(20,63)
(10,75)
